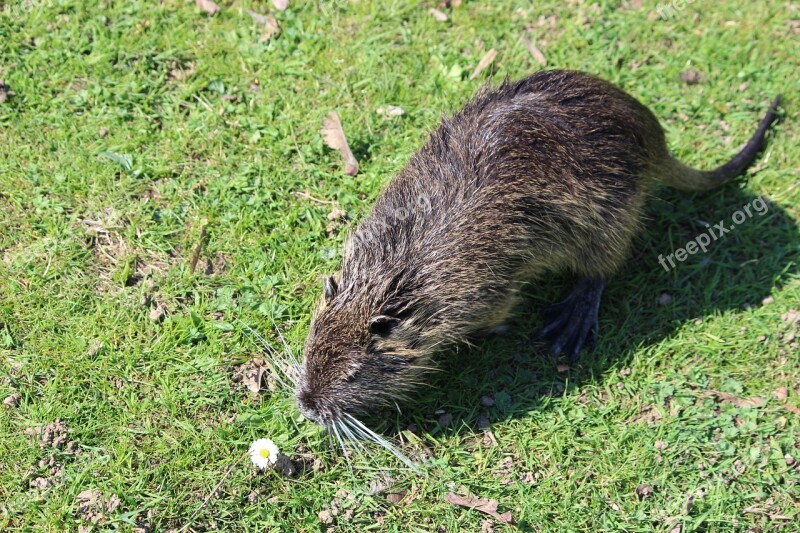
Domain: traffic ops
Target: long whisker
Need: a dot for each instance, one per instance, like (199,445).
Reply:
(357,447)
(368,452)
(294,364)
(384,443)
(334,427)
(271,357)
(285,344)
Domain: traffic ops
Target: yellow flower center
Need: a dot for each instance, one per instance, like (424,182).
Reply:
(263,452)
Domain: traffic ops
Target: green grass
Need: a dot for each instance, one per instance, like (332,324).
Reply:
(133,125)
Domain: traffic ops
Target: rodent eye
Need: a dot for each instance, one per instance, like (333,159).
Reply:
(382,325)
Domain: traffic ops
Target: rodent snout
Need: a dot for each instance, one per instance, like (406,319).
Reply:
(312,407)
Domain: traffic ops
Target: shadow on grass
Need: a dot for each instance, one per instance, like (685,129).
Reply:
(739,270)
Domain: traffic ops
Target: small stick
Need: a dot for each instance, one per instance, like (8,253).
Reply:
(534,50)
(196,253)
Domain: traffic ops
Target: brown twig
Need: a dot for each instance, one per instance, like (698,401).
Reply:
(196,253)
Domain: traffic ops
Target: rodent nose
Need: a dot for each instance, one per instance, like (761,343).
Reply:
(306,402)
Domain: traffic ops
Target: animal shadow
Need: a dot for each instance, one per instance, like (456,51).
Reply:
(642,305)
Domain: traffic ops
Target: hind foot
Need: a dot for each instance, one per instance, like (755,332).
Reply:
(572,324)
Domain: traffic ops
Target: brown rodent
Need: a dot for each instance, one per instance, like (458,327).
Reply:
(544,174)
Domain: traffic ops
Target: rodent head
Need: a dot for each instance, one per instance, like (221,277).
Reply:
(361,352)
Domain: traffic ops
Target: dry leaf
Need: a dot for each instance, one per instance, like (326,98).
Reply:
(258,17)
(280,5)
(485,506)
(270,23)
(792,409)
(208,6)
(534,51)
(333,135)
(562,368)
(753,401)
(781,393)
(485,61)
(271,29)
(438,15)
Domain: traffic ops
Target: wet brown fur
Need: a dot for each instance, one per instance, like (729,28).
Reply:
(545,174)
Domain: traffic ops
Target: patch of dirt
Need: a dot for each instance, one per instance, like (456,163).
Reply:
(216,265)
(644,491)
(5,92)
(507,469)
(341,509)
(792,321)
(53,435)
(111,252)
(252,375)
(326,517)
(143,524)
(180,71)
(12,400)
(158,313)
(380,485)
(106,241)
(692,76)
(41,483)
(50,470)
(93,508)
(648,414)
(109,249)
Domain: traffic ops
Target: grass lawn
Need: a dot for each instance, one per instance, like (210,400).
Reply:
(139,139)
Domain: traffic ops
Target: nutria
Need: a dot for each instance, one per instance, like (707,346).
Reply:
(541,175)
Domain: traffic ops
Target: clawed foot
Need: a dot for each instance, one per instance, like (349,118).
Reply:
(572,324)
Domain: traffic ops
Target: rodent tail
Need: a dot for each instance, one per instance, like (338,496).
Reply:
(686,178)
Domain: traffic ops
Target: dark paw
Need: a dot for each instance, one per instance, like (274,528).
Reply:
(572,324)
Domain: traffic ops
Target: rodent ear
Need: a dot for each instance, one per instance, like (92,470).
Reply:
(382,325)
(329,288)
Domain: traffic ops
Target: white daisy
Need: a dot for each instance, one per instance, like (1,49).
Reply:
(264,453)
